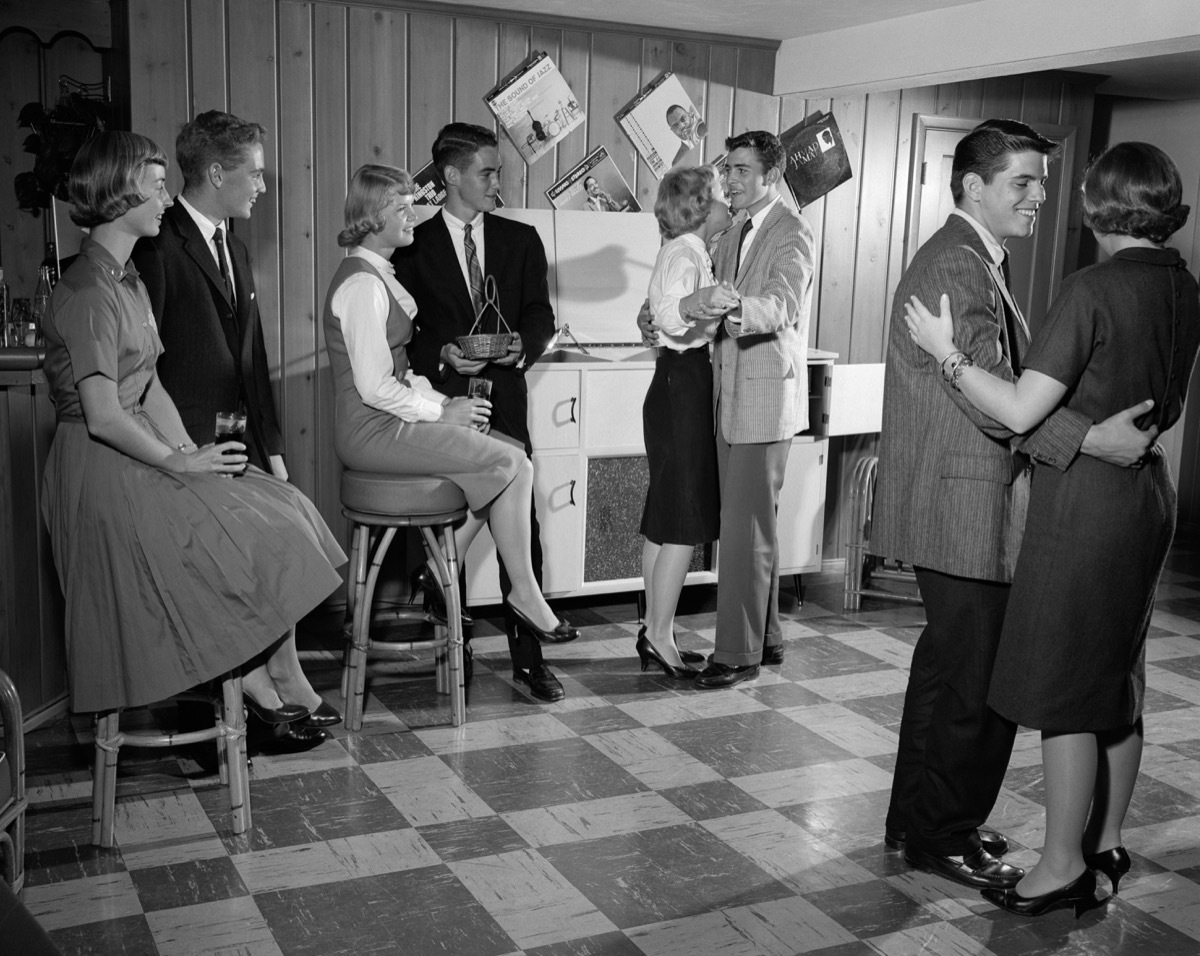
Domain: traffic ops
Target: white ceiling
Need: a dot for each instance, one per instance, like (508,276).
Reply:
(1174,76)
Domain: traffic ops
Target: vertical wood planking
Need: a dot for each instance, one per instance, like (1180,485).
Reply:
(753,109)
(970,98)
(656,59)
(158,85)
(1002,96)
(722,78)
(475,71)
(298,341)
(689,62)
(431,85)
(841,235)
(914,102)
(330,123)
(615,80)
(378,87)
(252,58)
(209,57)
(876,225)
(514,47)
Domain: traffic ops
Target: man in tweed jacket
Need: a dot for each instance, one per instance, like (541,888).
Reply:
(951,498)
(760,375)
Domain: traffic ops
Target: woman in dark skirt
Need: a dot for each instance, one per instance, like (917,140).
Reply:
(682,503)
(1071,661)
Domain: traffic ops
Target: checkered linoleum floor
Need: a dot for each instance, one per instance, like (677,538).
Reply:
(638,816)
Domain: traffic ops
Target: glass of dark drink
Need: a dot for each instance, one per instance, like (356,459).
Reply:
(231,426)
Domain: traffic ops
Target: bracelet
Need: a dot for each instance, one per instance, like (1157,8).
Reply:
(183,446)
(954,358)
(963,364)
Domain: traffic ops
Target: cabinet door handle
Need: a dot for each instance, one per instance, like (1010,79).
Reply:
(571,493)
(574,399)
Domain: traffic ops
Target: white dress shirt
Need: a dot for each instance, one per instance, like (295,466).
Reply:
(208,229)
(682,267)
(361,306)
(756,222)
(455,226)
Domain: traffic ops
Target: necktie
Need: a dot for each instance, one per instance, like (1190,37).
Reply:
(474,273)
(1010,319)
(222,264)
(746,227)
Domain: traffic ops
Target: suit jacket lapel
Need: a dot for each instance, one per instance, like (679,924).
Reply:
(198,249)
(751,256)
(972,240)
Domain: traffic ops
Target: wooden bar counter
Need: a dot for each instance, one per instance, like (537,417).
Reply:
(32,651)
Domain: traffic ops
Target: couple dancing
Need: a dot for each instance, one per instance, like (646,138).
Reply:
(1062,649)
(751,301)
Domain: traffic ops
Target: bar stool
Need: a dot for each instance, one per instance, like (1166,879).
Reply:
(13,801)
(378,505)
(229,730)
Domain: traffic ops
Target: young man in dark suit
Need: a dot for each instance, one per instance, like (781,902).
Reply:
(448,300)
(202,293)
(950,500)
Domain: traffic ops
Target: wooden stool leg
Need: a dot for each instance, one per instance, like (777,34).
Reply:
(233,738)
(358,574)
(104,777)
(445,558)
(361,646)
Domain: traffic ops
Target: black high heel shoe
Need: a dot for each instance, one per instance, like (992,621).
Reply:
(688,657)
(562,632)
(1080,893)
(648,652)
(424,583)
(1112,863)
(277,715)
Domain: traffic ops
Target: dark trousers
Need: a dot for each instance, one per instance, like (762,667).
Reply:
(525,650)
(954,749)
(748,560)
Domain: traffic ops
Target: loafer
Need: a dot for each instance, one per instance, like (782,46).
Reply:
(323,716)
(541,682)
(725,675)
(979,870)
(995,843)
(297,739)
(772,654)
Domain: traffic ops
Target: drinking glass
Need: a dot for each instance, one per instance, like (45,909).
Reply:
(480,387)
(231,426)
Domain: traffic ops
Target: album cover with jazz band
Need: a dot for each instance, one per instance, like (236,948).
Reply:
(535,106)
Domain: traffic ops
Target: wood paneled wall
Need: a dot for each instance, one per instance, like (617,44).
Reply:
(339,84)
(29,72)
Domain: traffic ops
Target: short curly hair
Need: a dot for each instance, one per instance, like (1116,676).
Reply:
(214,137)
(767,147)
(368,197)
(103,184)
(1134,189)
(685,198)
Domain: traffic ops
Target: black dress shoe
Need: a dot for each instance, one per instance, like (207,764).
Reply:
(688,657)
(980,869)
(647,652)
(772,654)
(562,632)
(541,682)
(296,739)
(995,843)
(1080,893)
(725,675)
(1112,863)
(425,583)
(323,716)
(278,715)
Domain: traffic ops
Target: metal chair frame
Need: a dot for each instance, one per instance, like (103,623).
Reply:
(862,568)
(12,815)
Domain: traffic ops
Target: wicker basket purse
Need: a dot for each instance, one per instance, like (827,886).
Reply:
(487,345)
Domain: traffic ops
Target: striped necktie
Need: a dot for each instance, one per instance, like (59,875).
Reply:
(222,263)
(474,273)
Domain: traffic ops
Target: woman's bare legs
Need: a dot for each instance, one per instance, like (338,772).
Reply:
(1120,758)
(664,567)
(1069,767)
(283,668)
